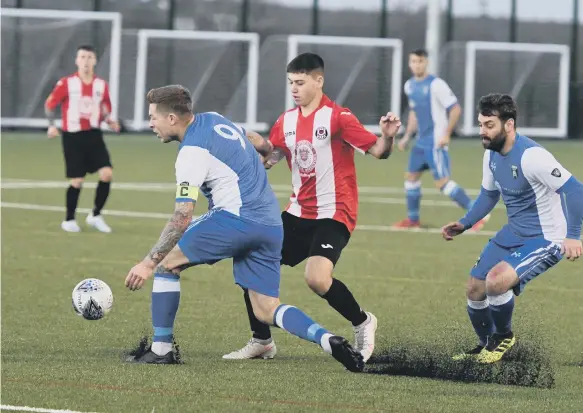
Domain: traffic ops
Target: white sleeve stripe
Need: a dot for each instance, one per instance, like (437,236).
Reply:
(540,165)
(357,149)
(488,182)
(443,93)
(192,165)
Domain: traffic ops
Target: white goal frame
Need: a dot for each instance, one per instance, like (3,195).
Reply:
(115,53)
(252,69)
(294,40)
(469,125)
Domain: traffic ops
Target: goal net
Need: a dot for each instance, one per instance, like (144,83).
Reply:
(219,68)
(363,74)
(535,75)
(38,48)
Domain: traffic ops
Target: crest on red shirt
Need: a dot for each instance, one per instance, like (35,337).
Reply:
(305,157)
(86,107)
(321,133)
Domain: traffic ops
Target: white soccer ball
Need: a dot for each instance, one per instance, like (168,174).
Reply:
(92,299)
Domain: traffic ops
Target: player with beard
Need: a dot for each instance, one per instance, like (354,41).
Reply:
(544,204)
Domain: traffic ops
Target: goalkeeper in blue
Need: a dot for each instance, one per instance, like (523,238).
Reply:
(216,158)
(544,204)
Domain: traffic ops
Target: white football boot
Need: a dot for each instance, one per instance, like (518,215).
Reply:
(70,226)
(98,223)
(253,350)
(364,336)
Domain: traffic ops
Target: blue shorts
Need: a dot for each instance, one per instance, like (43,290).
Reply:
(435,159)
(254,247)
(528,260)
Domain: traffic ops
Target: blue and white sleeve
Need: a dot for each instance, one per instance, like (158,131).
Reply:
(407,91)
(541,167)
(487,199)
(572,197)
(192,165)
(443,93)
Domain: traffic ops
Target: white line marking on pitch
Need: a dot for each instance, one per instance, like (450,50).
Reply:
(281,191)
(35,409)
(9,183)
(158,215)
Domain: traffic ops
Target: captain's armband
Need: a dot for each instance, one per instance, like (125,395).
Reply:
(186,193)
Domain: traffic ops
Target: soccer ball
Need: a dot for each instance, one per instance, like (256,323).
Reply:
(92,299)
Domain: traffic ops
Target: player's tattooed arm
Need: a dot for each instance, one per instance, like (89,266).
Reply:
(274,157)
(172,232)
(262,145)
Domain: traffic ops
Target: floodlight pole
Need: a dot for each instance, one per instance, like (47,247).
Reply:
(432,34)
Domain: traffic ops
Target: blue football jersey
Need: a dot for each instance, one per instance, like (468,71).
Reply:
(217,157)
(527,178)
(430,99)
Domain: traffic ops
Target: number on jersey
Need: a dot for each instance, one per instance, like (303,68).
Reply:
(230,133)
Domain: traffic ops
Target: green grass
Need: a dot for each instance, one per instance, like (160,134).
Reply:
(413,282)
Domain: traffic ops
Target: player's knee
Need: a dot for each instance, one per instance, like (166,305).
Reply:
(264,306)
(105,174)
(265,315)
(441,184)
(476,289)
(77,182)
(318,274)
(317,285)
(500,279)
(412,176)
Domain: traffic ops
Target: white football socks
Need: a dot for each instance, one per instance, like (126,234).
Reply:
(161,348)
(325,343)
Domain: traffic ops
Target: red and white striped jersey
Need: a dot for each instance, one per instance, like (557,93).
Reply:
(83,105)
(319,149)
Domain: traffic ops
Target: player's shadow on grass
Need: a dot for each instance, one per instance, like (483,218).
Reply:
(525,365)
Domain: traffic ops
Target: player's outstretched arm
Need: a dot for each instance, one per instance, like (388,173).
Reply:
(451,230)
(262,145)
(170,236)
(192,167)
(482,206)
(487,199)
(267,152)
(171,233)
(389,124)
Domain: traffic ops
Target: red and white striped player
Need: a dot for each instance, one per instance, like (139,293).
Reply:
(85,103)
(318,138)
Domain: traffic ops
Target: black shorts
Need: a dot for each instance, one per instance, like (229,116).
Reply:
(303,238)
(85,152)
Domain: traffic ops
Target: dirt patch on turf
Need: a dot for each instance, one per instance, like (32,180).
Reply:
(526,364)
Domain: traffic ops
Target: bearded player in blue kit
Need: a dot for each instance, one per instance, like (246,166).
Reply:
(544,204)
(216,158)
